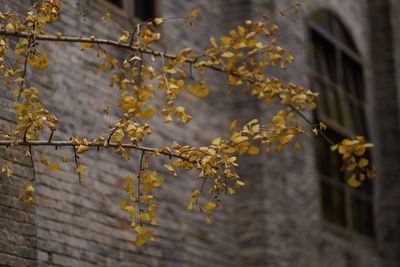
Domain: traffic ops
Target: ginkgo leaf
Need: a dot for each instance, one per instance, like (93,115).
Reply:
(200,90)
(170,169)
(194,14)
(144,217)
(353,182)
(82,149)
(363,162)
(297,146)
(139,242)
(53,167)
(158,21)
(253,150)
(38,60)
(233,125)
(227,54)
(81,169)
(147,113)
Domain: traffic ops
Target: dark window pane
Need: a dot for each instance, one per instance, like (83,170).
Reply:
(144,9)
(333,204)
(325,57)
(352,77)
(344,36)
(362,216)
(324,21)
(321,100)
(340,101)
(366,186)
(333,104)
(118,3)
(355,117)
(329,163)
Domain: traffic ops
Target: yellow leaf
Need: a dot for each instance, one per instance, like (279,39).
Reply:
(253,150)
(200,90)
(353,182)
(106,16)
(239,184)
(146,198)
(297,146)
(213,42)
(233,125)
(227,54)
(20,47)
(82,149)
(45,160)
(278,120)
(167,119)
(334,147)
(81,170)
(124,37)
(87,45)
(38,60)
(148,235)
(53,167)
(312,105)
(363,162)
(194,14)
(158,21)
(286,139)
(209,206)
(170,169)
(30,189)
(158,182)
(139,242)
(239,139)
(351,167)
(148,113)
(9,27)
(144,217)
(231,191)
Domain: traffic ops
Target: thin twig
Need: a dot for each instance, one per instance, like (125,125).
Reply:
(33,164)
(21,86)
(111,134)
(327,139)
(76,157)
(138,184)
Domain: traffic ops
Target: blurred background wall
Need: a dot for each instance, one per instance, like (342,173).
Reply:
(295,209)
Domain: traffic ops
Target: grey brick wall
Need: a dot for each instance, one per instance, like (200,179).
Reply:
(274,221)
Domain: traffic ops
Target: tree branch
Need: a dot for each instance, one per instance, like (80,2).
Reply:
(13,143)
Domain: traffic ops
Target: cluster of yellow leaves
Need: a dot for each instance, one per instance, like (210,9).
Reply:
(54,167)
(48,10)
(27,195)
(32,116)
(6,170)
(244,55)
(38,59)
(353,153)
(140,205)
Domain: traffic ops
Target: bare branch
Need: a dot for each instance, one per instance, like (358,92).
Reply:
(33,164)
(14,143)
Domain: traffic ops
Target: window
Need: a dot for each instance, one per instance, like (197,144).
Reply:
(141,9)
(336,72)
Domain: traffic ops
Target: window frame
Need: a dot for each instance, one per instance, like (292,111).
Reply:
(128,9)
(344,130)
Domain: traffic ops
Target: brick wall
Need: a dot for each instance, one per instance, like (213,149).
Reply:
(274,221)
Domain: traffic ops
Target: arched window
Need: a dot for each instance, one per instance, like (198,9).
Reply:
(141,9)
(336,72)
